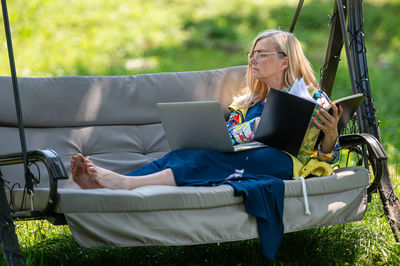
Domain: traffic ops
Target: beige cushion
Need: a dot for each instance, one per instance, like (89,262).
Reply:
(189,215)
(112,119)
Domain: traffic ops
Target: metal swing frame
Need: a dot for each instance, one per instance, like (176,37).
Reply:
(366,142)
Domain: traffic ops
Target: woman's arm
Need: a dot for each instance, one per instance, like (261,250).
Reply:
(329,127)
(329,146)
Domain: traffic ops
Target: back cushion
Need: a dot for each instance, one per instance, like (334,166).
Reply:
(112,119)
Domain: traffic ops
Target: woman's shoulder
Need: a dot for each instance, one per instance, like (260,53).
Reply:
(235,107)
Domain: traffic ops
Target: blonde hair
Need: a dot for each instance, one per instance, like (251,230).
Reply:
(299,66)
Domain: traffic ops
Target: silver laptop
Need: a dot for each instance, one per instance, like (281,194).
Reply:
(198,125)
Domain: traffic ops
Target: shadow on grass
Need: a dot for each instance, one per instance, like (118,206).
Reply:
(322,246)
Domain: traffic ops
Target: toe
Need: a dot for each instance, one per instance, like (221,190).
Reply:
(80,158)
(92,170)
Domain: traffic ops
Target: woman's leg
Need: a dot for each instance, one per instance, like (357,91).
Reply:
(87,175)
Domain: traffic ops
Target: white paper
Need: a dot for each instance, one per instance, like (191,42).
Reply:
(299,89)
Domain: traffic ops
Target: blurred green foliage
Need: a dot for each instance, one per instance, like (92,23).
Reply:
(98,37)
(70,37)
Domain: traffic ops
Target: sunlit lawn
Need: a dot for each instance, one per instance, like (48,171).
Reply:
(133,37)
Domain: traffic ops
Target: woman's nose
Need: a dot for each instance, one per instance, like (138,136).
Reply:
(253,60)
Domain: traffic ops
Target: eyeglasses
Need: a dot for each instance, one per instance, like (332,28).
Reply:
(258,55)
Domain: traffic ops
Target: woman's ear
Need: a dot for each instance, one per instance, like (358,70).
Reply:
(285,63)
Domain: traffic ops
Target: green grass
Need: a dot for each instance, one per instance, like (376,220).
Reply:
(368,242)
(56,38)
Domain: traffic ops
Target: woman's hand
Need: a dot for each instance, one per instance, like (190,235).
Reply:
(329,127)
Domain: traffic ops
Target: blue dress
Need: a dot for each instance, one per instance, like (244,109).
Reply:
(255,174)
(204,167)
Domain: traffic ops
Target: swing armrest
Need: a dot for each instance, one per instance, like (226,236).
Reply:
(55,169)
(375,152)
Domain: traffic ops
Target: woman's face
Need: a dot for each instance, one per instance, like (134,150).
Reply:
(269,68)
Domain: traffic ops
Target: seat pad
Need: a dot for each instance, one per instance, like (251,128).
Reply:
(166,215)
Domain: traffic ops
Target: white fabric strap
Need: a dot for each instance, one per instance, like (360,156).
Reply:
(303,185)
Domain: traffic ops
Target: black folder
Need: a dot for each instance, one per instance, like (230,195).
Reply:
(284,121)
(286,117)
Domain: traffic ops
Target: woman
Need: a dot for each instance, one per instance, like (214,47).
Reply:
(276,60)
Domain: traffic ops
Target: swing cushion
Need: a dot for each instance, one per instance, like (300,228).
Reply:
(115,121)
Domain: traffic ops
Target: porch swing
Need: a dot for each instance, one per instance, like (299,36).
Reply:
(91,125)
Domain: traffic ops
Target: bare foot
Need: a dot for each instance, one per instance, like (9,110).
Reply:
(108,179)
(80,172)
(87,175)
